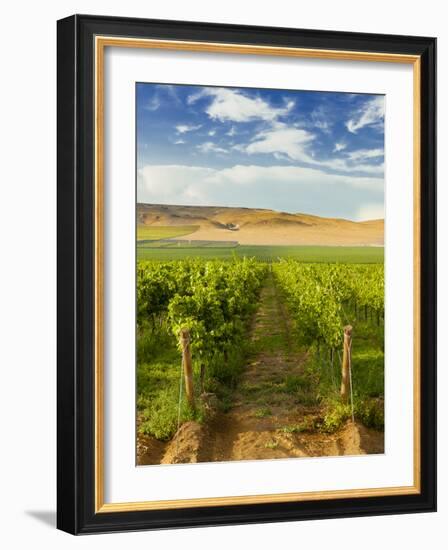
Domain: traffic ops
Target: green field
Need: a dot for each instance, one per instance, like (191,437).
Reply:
(175,243)
(342,254)
(153,233)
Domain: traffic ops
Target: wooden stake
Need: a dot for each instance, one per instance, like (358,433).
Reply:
(187,364)
(345,384)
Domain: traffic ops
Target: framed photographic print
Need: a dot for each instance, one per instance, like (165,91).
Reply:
(246,274)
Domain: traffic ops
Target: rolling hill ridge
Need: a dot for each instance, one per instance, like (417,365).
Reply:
(253,226)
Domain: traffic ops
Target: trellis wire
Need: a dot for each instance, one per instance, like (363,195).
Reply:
(179,405)
(351,383)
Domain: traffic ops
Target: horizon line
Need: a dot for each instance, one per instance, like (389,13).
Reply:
(256,208)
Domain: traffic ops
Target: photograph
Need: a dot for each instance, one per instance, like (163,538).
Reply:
(260,315)
(246,263)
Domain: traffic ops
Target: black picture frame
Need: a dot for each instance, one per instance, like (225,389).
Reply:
(76,272)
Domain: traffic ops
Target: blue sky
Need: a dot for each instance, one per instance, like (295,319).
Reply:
(320,153)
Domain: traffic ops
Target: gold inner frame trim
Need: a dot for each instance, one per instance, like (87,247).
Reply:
(101,42)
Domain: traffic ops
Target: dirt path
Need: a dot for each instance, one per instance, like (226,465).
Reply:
(272,408)
(262,406)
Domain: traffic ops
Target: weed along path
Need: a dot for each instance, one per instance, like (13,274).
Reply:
(264,413)
(274,411)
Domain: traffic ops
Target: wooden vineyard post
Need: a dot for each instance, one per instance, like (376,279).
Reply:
(187,364)
(345,384)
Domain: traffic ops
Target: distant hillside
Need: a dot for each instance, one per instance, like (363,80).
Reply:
(261,227)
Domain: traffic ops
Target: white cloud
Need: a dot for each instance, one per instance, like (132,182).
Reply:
(179,142)
(370,114)
(342,165)
(373,211)
(153,104)
(321,120)
(172,184)
(232,132)
(339,147)
(183,128)
(202,92)
(232,105)
(212,132)
(365,154)
(282,140)
(169,90)
(323,126)
(291,143)
(243,185)
(209,147)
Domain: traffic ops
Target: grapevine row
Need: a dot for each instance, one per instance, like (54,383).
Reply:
(320,296)
(212,299)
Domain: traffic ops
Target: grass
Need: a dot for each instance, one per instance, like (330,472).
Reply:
(367,377)
(158,375)
(157,385)
(155,233)
(267,343)
(263,413)
(306,425)
(294,383)
(308,254)
(277,390)
(301,389)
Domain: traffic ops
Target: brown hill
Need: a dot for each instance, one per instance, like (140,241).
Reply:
(262,227)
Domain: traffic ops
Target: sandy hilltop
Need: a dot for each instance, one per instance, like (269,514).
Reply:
(262,227)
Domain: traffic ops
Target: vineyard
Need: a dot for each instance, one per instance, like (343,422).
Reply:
(251,356)
(323,297)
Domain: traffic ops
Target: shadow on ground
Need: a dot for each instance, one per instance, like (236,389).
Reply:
(47,517)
